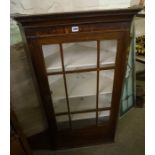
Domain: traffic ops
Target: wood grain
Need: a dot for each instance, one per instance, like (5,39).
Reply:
(56,28)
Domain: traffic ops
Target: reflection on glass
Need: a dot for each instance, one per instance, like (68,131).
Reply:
(130,101)
(125,104)
(103,116)
(57,88)
(80,55)
(125,93)
(52,57)
(108,49)
(130,83)
(62,122)
(83,120)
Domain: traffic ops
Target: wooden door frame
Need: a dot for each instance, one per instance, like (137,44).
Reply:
(39,65)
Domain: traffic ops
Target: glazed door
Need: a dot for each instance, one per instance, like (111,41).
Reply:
(83,81)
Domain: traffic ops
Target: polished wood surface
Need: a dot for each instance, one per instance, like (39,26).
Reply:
(56,28)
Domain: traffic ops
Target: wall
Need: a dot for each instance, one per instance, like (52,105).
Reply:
(25,100)
(46,6)
(134,2)
(39,6)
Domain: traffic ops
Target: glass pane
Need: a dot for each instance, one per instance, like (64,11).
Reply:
(103,116)
(105,88)
(124,95)
(52,57)
(105,100)
(108,49)
(82,103)
(81,84)
(130,101)
(130,83)
(130,58)
(106,81)
(125,105)
(83,120)
(82,90)
(57,88)
(62,122)
(80,55)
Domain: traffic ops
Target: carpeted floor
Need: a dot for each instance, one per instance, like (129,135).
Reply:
(130,139)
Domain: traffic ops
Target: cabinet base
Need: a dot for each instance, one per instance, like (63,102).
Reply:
(43,141)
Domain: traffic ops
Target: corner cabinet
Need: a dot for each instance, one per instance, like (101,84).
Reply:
(79,59)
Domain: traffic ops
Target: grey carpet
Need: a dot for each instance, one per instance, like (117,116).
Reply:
(130,139)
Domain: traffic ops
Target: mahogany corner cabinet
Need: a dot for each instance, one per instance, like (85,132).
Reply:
(79,60)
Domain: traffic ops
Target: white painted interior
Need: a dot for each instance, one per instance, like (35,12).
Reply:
(81,86)
(76,55)
(49,6)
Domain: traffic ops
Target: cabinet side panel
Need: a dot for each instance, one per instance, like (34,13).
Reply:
(40,72)
(121,62)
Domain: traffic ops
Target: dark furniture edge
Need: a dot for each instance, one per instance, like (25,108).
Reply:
(78,14)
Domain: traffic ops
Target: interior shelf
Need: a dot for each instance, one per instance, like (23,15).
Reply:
(76,55)
(81,84)
(89,115)
(81,116)
(82,120)
(82,103)
(79,55)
